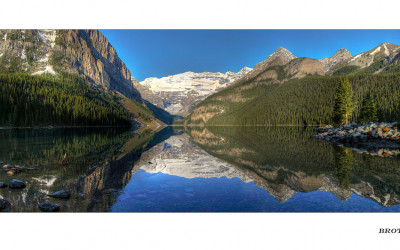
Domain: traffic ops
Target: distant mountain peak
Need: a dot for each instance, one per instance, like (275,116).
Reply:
(245,70)
(177,94)
(383,50)
(282,52)
(281,49)
(341,51)
(281,56)
(340,56)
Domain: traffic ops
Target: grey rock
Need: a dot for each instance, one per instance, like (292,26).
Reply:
(49,207)
(3,185)
(62,194)
(16,184)
(5,205)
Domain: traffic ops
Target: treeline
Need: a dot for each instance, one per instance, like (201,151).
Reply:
(304,101)
(65,99)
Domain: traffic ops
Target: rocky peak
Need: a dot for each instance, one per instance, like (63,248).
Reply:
(340,56)
(280,51)
(245,70)
(342,52)
(280,57)
(380,52)
(384,49)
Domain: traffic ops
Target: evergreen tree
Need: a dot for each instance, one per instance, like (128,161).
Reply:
(344,103)
(368,109)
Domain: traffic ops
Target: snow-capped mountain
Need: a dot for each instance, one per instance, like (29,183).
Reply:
(178,93)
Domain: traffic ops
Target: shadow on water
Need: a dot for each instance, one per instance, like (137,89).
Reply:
(100,165)
(285,161)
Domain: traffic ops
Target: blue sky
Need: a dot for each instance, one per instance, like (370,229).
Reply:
(158,53)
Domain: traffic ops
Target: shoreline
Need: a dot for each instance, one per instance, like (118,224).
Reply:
(381,139)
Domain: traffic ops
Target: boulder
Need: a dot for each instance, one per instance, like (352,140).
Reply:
(7,166)
(49,207)
(5,205)
(62,194)
(359,130)
(3,185)
(16,184)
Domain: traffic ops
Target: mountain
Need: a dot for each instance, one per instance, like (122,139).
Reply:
(84,52)
(79,67)
(301,67)
(270,68)
(340,56)
(384,52)
(177,94)
(280,57)
(285,89)
(365,59)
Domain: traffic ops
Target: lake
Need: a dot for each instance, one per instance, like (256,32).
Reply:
(214,169)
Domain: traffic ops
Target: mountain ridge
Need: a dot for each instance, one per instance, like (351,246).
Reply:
(245,101)
(177,94)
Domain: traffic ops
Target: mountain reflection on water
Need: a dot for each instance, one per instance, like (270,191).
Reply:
(231,169)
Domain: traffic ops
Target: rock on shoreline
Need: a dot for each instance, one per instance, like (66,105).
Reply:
(5,205)
(16,184)
(373,136)
(49,207)
(62,194)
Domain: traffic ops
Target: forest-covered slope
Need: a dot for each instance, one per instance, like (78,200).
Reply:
(66,77)
(27,100)
(279,95)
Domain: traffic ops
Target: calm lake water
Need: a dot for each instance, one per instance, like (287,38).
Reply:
(216,169)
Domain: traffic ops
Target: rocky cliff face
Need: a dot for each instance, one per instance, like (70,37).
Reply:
(177,94)
(84,52)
